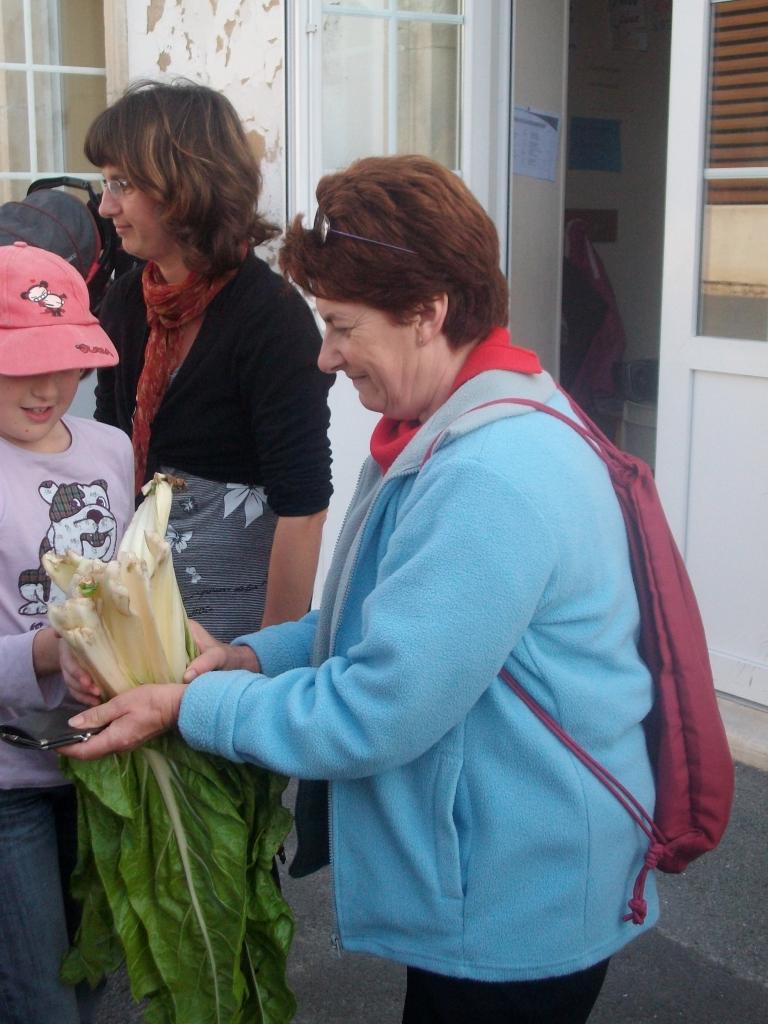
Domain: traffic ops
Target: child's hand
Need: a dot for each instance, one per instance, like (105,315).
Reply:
(45,652)
(79,683)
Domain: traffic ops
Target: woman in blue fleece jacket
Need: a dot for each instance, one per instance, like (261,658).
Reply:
(465,841)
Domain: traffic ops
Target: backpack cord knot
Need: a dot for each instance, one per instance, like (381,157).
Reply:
(638,904)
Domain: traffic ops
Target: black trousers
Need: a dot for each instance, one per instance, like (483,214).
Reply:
(437,999)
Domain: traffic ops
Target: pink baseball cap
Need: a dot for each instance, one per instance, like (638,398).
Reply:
(45,321)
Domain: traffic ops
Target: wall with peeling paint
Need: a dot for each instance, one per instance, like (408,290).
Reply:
(236,46)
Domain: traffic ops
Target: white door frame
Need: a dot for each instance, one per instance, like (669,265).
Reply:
(688,361)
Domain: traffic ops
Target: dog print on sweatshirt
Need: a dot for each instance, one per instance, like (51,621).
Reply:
(80,521)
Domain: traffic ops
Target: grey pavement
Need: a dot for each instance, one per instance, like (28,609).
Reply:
(705,963)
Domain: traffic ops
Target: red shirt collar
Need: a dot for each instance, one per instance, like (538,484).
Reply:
(495,352)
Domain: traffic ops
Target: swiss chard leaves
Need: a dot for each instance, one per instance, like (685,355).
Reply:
(175,875)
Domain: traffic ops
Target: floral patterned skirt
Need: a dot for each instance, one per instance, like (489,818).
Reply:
(221,538)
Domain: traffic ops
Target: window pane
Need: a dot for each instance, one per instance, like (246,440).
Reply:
(84,97)
(428,90)
(14,191)
(70,33)
(82,34)
(734,271)
(12,31)
(45,33)
(432,6)
(14,136)
(734,263)
(65,105)
(367,5)
(355,85)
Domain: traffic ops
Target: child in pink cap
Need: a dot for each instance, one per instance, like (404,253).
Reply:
(65,482)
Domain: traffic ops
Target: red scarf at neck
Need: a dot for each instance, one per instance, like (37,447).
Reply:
(169,308)
(495,352)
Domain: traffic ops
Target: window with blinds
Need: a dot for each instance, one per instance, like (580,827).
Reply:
(734,258)
(738,122)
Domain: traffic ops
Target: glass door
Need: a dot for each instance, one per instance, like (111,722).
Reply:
(712,451)
(369,77)
(400,76)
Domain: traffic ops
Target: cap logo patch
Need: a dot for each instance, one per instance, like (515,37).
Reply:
(98,349)
(49,302)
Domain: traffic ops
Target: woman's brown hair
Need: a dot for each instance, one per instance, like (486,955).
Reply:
(183,144)
(414,203)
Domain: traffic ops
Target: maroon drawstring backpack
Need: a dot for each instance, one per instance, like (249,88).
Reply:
(686,740)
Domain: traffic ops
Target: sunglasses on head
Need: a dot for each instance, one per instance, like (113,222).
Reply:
(322,228)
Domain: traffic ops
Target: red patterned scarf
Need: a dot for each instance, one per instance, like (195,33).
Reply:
(169,308)
(495,352)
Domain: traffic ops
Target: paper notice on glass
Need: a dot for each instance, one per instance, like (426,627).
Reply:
(628,24)
(536,143)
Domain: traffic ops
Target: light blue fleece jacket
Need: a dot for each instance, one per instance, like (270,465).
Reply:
(465,839)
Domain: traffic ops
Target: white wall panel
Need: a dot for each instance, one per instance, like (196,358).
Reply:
(727,530)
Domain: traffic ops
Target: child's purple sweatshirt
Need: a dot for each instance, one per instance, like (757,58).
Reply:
(81,499)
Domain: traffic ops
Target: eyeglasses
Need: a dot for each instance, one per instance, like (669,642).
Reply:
(117,187)
(322,228)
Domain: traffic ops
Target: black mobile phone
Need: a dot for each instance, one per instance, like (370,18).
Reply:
(45,730)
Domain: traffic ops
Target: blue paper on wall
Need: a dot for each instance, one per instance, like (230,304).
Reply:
(594,144)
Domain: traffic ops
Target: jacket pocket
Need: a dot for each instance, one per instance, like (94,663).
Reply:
(447,849)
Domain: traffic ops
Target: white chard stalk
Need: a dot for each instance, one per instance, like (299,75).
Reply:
(125,619)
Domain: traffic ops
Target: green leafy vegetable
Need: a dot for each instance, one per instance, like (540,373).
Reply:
(189,892)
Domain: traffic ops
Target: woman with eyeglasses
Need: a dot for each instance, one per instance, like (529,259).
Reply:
(464,839)
(217,382)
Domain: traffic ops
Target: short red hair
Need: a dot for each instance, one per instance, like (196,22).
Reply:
(414,203)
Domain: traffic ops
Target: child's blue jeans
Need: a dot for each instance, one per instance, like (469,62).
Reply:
(37,851)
